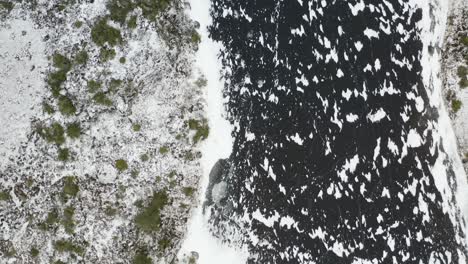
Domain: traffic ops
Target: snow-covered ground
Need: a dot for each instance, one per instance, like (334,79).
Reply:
(210,250)
(22,56)
(452,184)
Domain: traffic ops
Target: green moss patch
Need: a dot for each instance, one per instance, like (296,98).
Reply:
(456,105)
(53,134)
(107,54)
(67,222)
(70,187)
(102,33)
(67,246)
(163,150)
(142,258)
(34,252)
(102,99)
(81,57)
(149,219)
(94,86)
(66,106)
(73,130)
(188,191)
(121,165)
(63,154)
(201,129)
(4,196)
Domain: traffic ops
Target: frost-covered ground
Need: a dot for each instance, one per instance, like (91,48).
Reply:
(199,239)
(454,66)
(101,117)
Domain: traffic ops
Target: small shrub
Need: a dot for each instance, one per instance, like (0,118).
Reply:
(73,130)
(63,154)
(47,108)
(82,57)
(110,211)
(188,191)
(53,134)
(152,8)
(463,82)
(34,252)
(67,246)
(67,222)
(464,40)
(102,99)
(142,258)
(114,84)
(61,62)
(121,165)
(4,196)
(70,187)
(119,10)
(8,6)
(202,129)
(106,54)
(94,86)
(66,106)
(134,173)
(149,219)
(144,157)
(55,81)
(456,105)
(164,243)
(102,33)
(51,220)
(132,22)
(462,71)
(122,60)
(201,82)
(136,127)
(163,150)
(195,37)
(78,24)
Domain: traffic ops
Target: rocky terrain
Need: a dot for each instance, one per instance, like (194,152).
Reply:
(101,115)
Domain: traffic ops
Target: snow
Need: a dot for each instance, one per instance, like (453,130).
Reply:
(218,145)
(443,132)
(21,87)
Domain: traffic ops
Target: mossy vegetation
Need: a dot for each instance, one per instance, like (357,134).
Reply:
(122,60)
(188,191)
(144,157)
(67,246)
(53,134)
(102,33)
(94,86)
(102,99)
(163,150)
(61,62)
(114,84)
(121,165)
(34,252)
(66,106)
(63,154)
(70,187)
(67,221)
(142,257)
(464,40)
(201,129)
(73,130)
(51,220)
(132,22)
(462,72)
(55,81)
(5,5)
(106,54)
(110,211)
(82,57)
(136,127)
(149,218)
(195,37)
(47,108)
(456,105)
(4,196)
(78,24)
